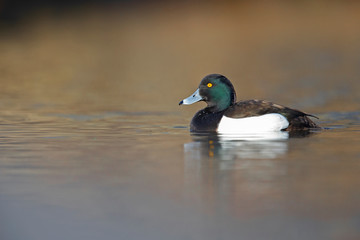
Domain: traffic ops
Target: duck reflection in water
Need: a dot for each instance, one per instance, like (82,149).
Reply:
(239,146)
(219,169)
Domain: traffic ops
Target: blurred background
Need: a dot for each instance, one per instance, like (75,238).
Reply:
(148,55)
(93,144)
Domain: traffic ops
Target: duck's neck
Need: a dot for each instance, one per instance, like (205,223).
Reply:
(219,106)
(221,103)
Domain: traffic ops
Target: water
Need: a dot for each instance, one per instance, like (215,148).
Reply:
(93,144)
(121,175)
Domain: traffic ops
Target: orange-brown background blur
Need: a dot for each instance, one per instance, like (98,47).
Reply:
(94,145)
(140,56)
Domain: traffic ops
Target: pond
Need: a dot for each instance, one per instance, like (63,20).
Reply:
(93,144)
(143,176)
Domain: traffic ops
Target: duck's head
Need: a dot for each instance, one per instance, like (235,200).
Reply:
(216,90)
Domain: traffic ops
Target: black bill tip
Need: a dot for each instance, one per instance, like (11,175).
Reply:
(180,103)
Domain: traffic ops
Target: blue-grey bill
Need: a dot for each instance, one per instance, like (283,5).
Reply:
(195,97)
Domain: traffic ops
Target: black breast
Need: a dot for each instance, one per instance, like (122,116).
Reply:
(205,121)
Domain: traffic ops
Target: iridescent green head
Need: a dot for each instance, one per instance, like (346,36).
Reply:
(216,90)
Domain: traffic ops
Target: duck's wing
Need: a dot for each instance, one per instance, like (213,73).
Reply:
(250,108)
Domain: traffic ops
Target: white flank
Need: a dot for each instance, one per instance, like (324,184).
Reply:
(266,123)
(253,136)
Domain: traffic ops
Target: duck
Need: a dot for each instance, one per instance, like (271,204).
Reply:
(224,115)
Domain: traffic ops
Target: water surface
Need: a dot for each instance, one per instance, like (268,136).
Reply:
(142,175)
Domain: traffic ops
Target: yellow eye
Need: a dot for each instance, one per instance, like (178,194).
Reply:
(209,85)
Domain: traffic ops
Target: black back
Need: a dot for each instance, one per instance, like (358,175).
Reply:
(250,108)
